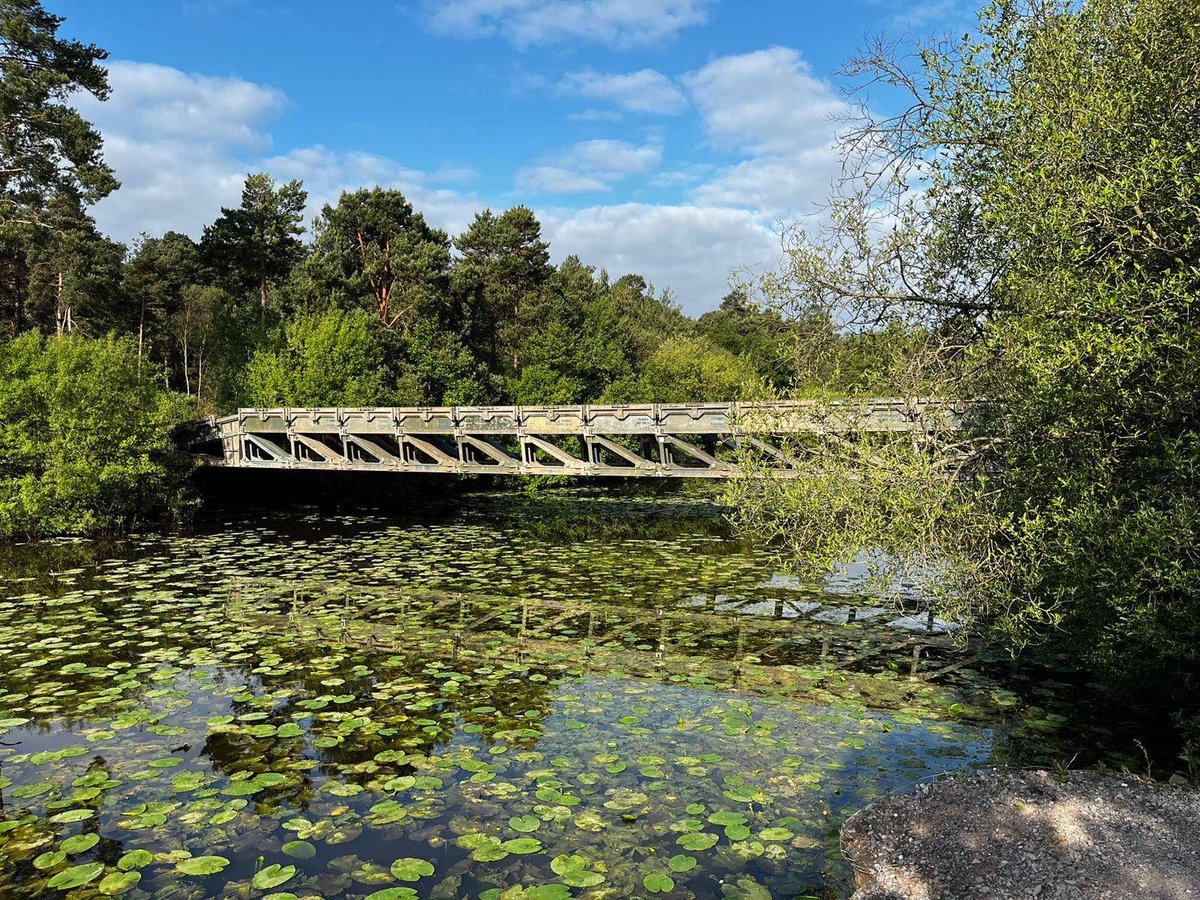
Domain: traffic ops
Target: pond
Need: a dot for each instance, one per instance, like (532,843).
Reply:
(588,694)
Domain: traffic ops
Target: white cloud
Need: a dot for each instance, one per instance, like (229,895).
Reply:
(183,144)
(768,107)
(645,91)
(690,249)
(619,23)
(764,102)
(792,183)
(589,166)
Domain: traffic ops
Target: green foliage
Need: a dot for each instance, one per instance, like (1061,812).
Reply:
(255,246)
(436,368)
(47,150)
(373,249)
(1047,257)
(85,444)
(685,369)
(1097,353)
(334,358)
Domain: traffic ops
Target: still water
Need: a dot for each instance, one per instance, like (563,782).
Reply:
(585,694)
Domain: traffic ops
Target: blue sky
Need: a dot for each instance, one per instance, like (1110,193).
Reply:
(666,137)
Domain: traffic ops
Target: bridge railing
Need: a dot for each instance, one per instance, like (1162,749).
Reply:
(646,440)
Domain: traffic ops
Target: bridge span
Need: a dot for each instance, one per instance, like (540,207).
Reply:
(661,440)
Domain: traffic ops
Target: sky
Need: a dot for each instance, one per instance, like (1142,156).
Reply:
(671,138)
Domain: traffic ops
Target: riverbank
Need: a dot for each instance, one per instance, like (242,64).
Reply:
(1088,836)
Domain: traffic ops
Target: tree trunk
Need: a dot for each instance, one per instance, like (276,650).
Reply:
(187,377)
(58,306)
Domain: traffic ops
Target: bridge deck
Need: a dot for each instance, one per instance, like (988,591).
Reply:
(693,440)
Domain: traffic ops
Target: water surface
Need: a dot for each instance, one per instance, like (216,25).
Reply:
(591,695)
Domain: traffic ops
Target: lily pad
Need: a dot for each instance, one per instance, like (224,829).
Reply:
(412,869)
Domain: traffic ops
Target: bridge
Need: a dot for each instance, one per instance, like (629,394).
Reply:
(660,440)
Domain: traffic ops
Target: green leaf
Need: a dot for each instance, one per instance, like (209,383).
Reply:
(700,840)
(50,859)
(300,849)
(135,859)
(412,869)
(202,865)
(681,863)
(115,883)
(76,876)
(658,883)
(272,876)
(80,843)
(524,824)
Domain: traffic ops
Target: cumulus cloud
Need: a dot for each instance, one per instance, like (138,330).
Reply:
(618,23)
(768,107)
(589,166)
(764,102)
(645,91)
(691,249)
(182,145)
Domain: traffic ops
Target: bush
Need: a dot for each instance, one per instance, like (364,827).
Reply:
(85,438)
(687,370)
(330,358)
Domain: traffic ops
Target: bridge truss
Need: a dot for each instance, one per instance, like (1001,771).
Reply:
(693,440)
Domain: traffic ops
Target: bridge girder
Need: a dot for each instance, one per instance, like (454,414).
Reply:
(650,440)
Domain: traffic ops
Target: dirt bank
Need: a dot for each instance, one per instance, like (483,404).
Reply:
(1011,835)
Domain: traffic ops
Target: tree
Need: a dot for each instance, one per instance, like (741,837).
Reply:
(1047,240)
(689,370)
(754,332)
(505,264)
(158,274)
(372,244)
(647,317)
(47,150)
(74,273)
(333,358)
(256,245)
(573,345)
(85,438)
(193,324)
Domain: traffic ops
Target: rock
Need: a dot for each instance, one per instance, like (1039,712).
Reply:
(1026,834)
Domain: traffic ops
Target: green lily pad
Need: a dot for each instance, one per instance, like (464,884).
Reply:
(80,843)
(658,883)
(135,859)
(300,849)
(412,869)
(202,865)
(76,876)
(524,824)
(115,883)
(681,863)
(272,876)
(50,859)
(699,840)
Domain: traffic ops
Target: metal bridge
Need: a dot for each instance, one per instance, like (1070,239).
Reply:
(689,440)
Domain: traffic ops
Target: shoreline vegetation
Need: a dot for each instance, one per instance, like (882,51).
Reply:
(1023,224)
